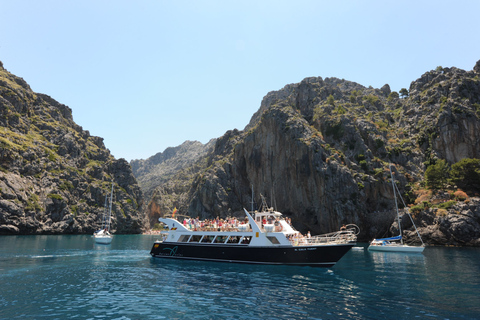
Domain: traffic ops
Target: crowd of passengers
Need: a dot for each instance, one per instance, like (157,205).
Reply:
(228,224)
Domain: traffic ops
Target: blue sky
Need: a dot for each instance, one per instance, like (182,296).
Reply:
(147,75)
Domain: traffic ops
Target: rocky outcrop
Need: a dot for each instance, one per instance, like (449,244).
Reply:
(320,151)
(459,226)
(53,175)
(443,110)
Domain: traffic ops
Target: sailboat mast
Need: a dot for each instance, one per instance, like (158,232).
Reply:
(396,205)
(104,218)
(110,209)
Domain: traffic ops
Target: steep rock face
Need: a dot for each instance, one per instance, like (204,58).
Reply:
(458,139)
(53,175)
(156,170)
(320,151)
(283,160)
(154,173)
(447,100)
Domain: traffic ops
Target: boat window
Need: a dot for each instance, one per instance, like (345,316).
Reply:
(233,239)
(220,239)
(273,240)
(207,239)
(246,240)
(184,238)
(195,239)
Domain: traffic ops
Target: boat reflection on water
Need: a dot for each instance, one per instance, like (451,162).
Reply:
(383,258)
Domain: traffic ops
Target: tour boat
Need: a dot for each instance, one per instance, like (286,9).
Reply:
(265,237)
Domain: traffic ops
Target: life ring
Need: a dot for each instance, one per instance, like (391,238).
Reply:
(354,228)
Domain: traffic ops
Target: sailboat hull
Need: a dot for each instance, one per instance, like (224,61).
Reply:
(396,248)
(103,239)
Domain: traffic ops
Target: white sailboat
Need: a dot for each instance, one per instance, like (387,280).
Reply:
(396,244)
(103,236)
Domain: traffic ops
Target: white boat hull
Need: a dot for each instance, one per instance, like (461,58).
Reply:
(396,248)
(103,239)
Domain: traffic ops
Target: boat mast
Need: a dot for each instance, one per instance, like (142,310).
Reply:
(104,218)
(396,205)
(110,209)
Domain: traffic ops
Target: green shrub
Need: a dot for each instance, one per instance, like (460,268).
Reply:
(341,110)
(336,130)
(51,156)
(360,157)
(54,196)
(372,99)
(331,100)
(443,100)
(378,172)
(417,209)
(379,143)
(32,203)
(466,174)
(393,95)
(66,185)
(447,204)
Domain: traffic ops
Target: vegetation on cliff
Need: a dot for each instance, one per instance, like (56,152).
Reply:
(53,175)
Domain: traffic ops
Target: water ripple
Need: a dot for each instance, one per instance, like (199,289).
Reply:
(121,281)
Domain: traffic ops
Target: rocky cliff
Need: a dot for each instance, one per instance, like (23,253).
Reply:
(157,169)
(178,163)
(53,174)
(320,151)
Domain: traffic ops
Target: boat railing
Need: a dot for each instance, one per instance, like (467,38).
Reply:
(344,236)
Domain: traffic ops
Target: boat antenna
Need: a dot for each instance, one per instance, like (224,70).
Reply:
(396,205)
(252,199)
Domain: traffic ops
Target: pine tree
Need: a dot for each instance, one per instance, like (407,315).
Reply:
(466,174)
(437,175)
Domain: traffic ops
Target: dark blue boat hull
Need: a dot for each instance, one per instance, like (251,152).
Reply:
(314,256)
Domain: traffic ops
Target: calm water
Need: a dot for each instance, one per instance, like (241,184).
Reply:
(71,277)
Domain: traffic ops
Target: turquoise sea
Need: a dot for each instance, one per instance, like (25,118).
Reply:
(71,277)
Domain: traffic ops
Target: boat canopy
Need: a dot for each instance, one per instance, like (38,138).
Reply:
(390,239)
